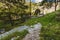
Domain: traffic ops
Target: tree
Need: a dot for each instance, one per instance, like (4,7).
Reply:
(56,3)
(46,3)
(17,6)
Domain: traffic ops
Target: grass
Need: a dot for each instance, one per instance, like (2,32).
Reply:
(44,20)
(50,26)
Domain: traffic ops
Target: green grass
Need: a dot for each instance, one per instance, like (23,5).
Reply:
(44,20)
(50,26)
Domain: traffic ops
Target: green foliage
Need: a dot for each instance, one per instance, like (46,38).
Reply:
(9,9)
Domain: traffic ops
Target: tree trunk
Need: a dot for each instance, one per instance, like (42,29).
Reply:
(10,19)
(55,4)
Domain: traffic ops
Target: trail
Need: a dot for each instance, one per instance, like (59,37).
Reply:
(33,33)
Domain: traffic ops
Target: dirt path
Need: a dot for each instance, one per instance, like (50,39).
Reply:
(33,33)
